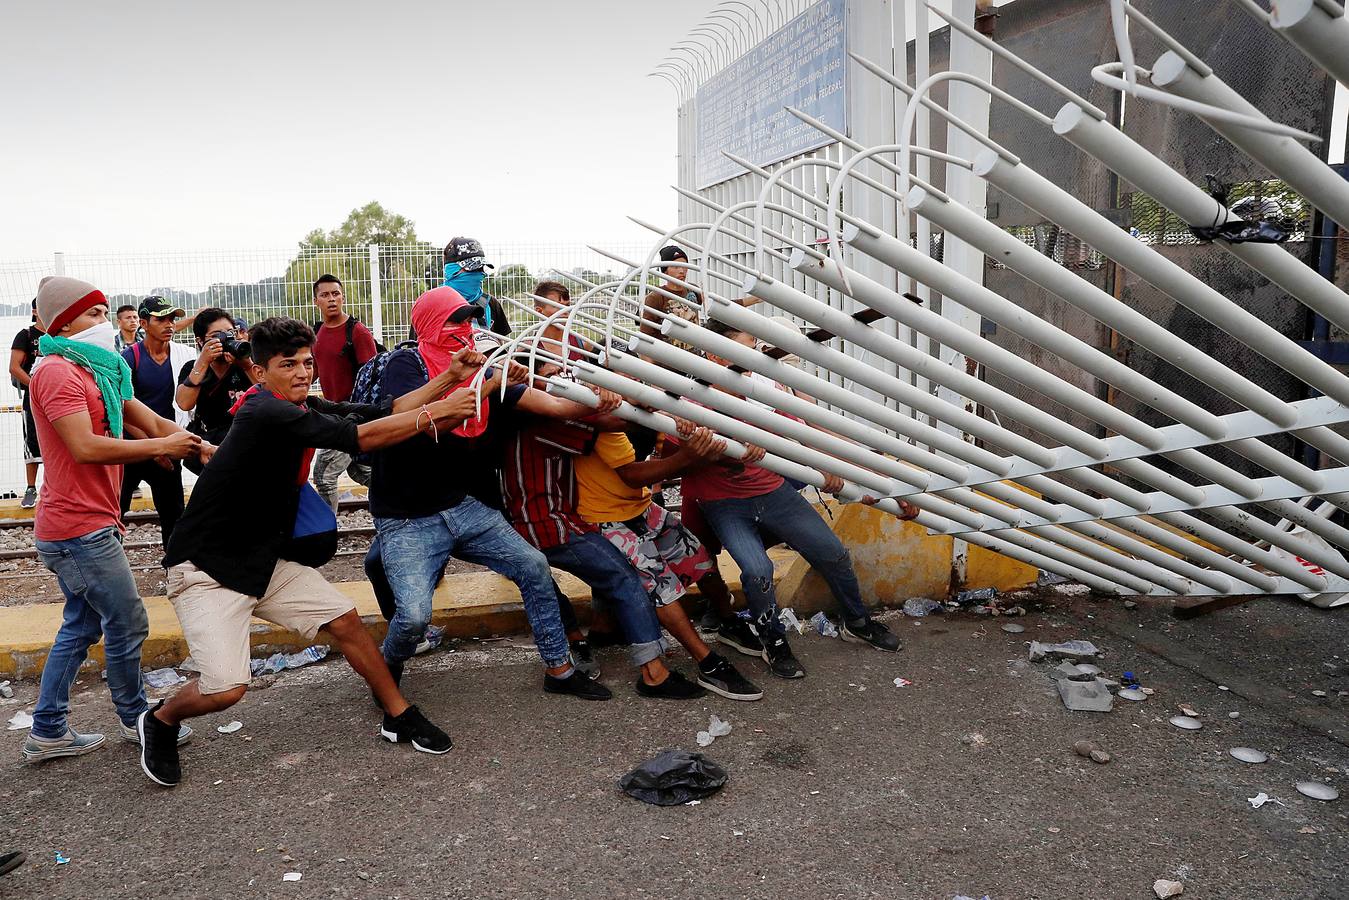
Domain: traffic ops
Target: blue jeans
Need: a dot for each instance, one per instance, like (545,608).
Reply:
(101,601)
(414,553)
(379,582)
(591,558)
(782,515)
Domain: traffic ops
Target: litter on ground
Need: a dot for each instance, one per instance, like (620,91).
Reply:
(715,728)
(823,627)
(787,616)
(162,678)
(1072,649)
(280,661)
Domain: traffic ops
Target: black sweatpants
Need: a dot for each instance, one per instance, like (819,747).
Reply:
(166,486)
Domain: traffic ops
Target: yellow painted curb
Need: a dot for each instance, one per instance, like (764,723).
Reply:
(897,560)
(475,604)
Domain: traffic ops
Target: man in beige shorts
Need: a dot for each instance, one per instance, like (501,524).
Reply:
(235,554)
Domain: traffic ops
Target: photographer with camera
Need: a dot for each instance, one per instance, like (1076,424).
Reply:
(210,384)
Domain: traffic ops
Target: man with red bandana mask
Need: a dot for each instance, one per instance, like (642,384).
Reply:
(422,500)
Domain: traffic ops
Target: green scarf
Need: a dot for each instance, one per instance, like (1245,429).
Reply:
(110,371)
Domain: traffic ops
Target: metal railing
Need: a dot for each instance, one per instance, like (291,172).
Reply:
(1104,505)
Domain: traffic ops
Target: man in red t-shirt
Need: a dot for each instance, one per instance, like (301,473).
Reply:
(342,345)
(81,399)
(748,507)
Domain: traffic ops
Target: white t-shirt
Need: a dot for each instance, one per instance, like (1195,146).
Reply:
(179,355)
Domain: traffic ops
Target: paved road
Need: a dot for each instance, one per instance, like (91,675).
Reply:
(842,785)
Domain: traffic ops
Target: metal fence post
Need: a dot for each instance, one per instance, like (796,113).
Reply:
(59,263)
(376,304)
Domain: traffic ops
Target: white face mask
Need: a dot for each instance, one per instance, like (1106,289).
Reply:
(101,335)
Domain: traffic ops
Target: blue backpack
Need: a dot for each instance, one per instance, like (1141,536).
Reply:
(369,387)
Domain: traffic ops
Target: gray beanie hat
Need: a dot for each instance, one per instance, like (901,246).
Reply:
(61,299)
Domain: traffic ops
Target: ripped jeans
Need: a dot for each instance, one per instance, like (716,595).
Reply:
(747,526)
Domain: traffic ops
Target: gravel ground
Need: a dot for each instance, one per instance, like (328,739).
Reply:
(841,785)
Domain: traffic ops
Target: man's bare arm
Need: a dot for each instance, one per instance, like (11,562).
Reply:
(77,433)
(16,358)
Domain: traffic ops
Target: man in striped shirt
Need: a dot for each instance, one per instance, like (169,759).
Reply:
(538,487)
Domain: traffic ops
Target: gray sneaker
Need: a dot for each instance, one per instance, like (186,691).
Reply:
(36,749)
(130,735)
(29,498)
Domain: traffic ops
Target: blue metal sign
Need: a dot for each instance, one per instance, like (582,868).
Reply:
(742,108)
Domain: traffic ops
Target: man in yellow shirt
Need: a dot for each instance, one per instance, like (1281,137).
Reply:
(615,494)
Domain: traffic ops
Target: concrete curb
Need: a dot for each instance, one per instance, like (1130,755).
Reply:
(477,604)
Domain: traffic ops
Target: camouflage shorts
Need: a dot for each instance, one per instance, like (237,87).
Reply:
(665,554)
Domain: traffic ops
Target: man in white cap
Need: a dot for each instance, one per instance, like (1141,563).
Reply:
(82,400)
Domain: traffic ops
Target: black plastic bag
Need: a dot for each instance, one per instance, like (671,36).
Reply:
(673,778)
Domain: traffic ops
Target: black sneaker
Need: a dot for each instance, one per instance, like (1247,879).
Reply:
(583,659)
(576,685)
(739,634)
(601,639)
(870,632)
(414,728)
(720,677)
(778,654)
(674,687)
(396,670)
(159,748)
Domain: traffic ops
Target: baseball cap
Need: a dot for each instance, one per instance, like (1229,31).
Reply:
(468,253)
(159,307)
(241,324)
(672,252)
(471,311)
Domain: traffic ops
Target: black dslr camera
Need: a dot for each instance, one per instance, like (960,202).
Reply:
(231,344)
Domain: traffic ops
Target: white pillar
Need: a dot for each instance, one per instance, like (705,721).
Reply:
(376,303)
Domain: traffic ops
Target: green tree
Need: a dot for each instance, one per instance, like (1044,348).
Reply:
(365,225)
(407,266)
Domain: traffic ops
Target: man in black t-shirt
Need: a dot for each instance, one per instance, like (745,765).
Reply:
(210,385)
(421,498)
(22,354)
(237,556)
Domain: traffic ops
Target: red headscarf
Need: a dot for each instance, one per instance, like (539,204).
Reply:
(439,339)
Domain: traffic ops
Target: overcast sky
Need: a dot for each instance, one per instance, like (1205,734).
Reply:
(149,124)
